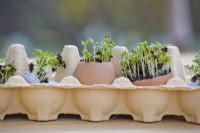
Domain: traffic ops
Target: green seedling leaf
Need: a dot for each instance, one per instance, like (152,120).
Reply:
(145,61)
(45,64)
(6,71)
(195,68)
(100,53)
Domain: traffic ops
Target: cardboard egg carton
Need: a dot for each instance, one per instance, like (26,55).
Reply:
(44,102)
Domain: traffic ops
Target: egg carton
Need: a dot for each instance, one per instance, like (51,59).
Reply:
(44,102)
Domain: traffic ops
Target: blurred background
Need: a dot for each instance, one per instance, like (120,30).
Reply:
(51,24)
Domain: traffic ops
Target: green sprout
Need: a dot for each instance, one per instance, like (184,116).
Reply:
(145,61)
(45,64)
(6,71)
(195,68)
(100,53)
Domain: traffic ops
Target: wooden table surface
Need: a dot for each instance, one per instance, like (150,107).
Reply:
(116,124)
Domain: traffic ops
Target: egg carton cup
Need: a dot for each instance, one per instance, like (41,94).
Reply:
(44,102)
